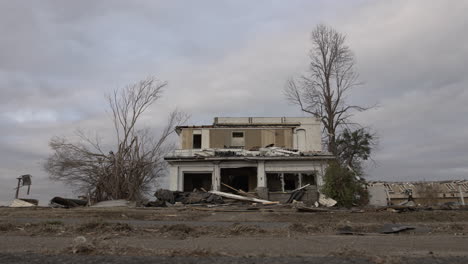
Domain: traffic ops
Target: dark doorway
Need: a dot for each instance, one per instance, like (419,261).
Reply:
(197,141)
(239,178)
(197,181)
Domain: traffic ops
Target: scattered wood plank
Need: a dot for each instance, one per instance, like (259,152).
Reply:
(241,192)
(242,198)
(230,187)
(312,210)
(307,185)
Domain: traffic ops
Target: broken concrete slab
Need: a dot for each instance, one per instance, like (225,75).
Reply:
(325,201)
(21,203)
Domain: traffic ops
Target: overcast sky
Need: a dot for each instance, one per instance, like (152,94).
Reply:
(231,58)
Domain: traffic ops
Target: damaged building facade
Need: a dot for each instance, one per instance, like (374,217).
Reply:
(271,156)
(424,193)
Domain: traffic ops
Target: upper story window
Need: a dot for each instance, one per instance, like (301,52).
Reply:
(197,139)
(237,139)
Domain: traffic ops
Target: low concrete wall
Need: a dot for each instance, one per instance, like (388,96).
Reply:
(310,196)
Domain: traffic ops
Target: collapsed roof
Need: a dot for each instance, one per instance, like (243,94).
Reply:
(260,154)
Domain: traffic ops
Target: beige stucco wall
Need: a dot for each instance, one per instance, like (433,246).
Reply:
(220,137)
(253,137)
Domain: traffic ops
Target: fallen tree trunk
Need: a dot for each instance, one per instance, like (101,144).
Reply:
(242,198)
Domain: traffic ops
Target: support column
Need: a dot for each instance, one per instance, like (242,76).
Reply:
(262,190)
(261,176)
(216,177)
(320,173)
(173,178)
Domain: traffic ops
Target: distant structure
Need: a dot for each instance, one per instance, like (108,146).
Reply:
(23,180)
(424,193)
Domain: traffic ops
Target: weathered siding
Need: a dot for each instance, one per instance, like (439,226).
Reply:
(268,137)
(187,138)
(219,138)
(288,138)
(253,138)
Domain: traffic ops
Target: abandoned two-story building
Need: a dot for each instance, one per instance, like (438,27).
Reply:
(267,155)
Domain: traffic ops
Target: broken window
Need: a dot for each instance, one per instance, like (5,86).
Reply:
(307,178)
(237,139)
(289,181)
(244,178)
(197,141)
(274,182)
(197,181)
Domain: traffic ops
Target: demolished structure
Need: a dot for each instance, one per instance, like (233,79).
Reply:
(425,193)
(271,156)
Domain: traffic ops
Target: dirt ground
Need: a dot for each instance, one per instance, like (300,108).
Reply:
(232,233)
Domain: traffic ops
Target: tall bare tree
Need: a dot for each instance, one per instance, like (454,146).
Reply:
(322,92)
(130,169)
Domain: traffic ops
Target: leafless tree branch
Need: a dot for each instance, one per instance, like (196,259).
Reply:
(138,157)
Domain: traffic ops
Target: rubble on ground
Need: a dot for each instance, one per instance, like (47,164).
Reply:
(59,202)
(234,152)
(24,203)
(325,201)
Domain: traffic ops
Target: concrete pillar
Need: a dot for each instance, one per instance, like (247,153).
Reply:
(216,177)
(320,173)
(173,178)
(261,176)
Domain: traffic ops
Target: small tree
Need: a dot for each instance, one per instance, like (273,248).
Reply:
(342,185)
(130,169)
(354,147)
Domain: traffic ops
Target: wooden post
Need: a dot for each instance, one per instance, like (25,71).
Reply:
(17,188)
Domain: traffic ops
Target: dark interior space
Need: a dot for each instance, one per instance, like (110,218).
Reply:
(308,178)
(291,181)
(239,178)
(196,141)
(197,181)
(274,182)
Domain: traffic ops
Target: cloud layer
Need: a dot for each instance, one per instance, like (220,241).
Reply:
(231,58)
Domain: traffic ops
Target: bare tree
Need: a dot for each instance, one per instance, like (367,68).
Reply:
(137,161)
(322,93)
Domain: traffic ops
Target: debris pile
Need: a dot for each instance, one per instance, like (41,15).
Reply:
(24,203)
(59,202)
(234,152)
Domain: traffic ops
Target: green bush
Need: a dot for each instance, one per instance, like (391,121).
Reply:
(342,185)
